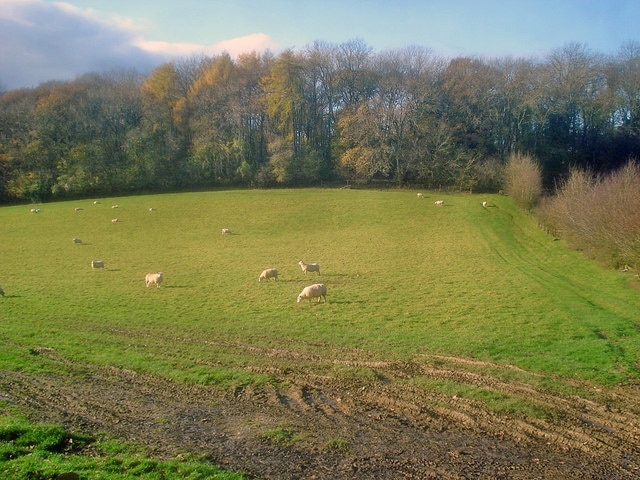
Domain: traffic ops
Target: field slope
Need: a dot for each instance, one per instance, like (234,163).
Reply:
(464,329)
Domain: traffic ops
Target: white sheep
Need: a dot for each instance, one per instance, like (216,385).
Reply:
(115,206)
(268,273)
(317,290)
(35,210)
(309,267)
(439,202)
(97,264)
(114,220)
(420,195)
(76,240)
(78,209)
(96,202)
(153,278)
(226,231)
(484,204)
(152,209)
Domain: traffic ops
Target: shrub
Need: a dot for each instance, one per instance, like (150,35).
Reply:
(600,216)
(523,180)
(565,214)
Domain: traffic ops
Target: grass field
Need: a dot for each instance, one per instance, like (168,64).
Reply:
(405,278)
(407,281)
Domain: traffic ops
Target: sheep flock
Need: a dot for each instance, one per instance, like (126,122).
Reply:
(318,290)
(310,292)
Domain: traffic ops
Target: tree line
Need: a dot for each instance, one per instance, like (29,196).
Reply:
(325,114)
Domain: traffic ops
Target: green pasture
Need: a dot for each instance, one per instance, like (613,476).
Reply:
(406,279)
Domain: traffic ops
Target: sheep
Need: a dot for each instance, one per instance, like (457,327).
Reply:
(96,202)
(226,231)
(114,220)
(268,273)
(420,195)
(152,209)
(153,278)
(309,267)
(76,240)
(439,202)
(317,290)
(35,210)
(484,204)
(97,264)
(115,206)
(78,209)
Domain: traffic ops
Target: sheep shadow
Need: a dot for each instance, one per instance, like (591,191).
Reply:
(313,303)
(347,302)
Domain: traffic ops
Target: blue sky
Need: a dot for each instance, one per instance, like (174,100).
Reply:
(44,40)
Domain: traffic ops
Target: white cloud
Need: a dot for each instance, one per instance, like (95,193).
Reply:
(42,41)
(258,41)
(235,46)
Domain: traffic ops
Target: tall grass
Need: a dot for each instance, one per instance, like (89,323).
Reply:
(405,279)
(523,180)
(599,215)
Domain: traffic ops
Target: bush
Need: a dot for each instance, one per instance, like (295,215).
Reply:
(523,180)
(600,216)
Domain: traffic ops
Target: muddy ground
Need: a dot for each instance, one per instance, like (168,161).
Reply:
(323,427)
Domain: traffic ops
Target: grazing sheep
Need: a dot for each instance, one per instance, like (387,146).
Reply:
(152,209)
(439,202)
(114,220)
(317,290)
(97,264)
(35,210)
(420,195)
(76,240)
(115,206)
(309,267)
(78,209)
(484,204)
(268,273)
(96,202)
(226,231)
(153,278)
(1,292)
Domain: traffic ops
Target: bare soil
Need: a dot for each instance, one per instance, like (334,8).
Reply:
(322,427)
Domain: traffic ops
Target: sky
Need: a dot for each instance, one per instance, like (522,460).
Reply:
(43,40)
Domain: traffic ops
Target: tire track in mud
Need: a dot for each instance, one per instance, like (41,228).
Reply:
(378,426)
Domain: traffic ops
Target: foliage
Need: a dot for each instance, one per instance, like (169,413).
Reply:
(323,113)
(599,215)
(523,180)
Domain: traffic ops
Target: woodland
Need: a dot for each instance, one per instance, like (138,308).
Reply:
(328,114)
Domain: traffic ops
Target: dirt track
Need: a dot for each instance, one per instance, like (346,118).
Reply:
(378,428)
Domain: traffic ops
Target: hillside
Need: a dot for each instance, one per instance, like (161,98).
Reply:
(455,340)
